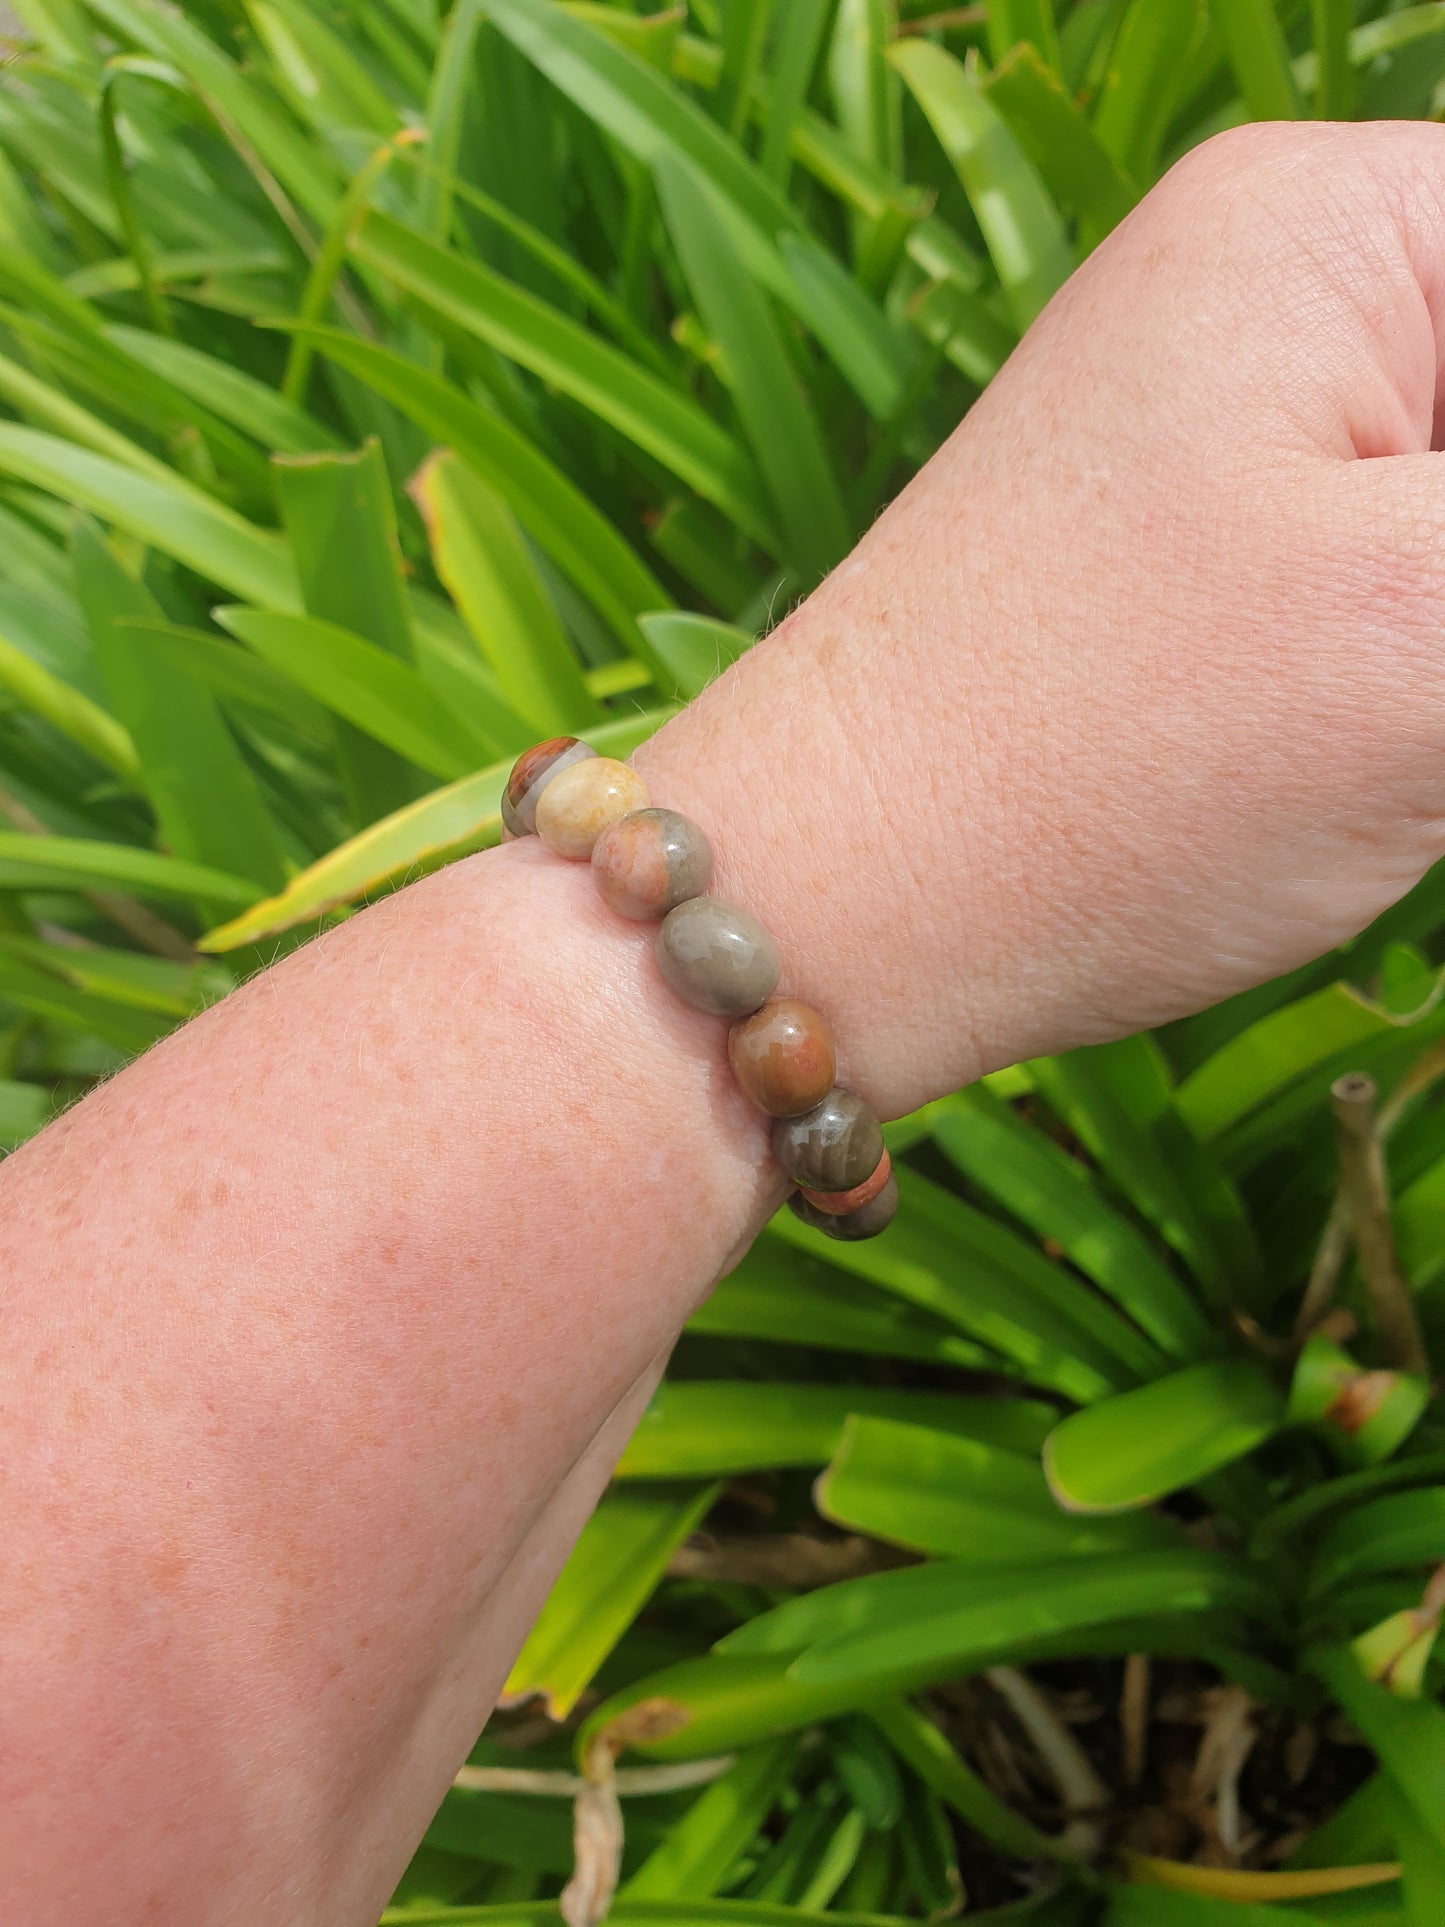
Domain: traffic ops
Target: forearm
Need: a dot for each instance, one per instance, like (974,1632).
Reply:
(320,1304)
(317,1316)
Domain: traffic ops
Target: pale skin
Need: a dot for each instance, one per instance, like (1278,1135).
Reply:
(326,1320)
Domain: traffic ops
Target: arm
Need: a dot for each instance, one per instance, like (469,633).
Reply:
(327,1318)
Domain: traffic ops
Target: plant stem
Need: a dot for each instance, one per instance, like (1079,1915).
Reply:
(1083,1793)
(1365,1191)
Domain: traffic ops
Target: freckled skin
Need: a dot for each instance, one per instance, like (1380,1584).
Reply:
(997,797)
(782,1057)
(649,861)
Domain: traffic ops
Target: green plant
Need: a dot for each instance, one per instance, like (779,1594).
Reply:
(386,387)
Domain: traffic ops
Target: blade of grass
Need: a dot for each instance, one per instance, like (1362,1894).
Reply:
(1012,23)
(168,515)
(84,722)
(610,1575)
(780,427)
(207,802)
(795,59)
(659,419)
(1255,45)
(744,34)
(1020,223)
(560,519)
(482,557)
(1050,127)
(704,1428)
(367,686)
(703,1847)
(438,828)
(1141,81)
(237,397)
(1054,1195)
(1334,89)
(118,178)
(76,863)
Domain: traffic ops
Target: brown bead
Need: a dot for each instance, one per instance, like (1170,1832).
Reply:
(531,773)
(866,1222)
(649,862)
(832,1147)
(782,1056)
(839,1203)
(580,802)
(717,957)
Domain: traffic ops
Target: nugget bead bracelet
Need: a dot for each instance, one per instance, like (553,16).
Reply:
(654,866)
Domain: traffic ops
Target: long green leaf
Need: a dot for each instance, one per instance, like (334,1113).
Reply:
(781,429)
(549,506)
(1132,1450)
(1020,223)
(482,558)
(1255,43)
(1054,1195)
(207,802)
(367,686)
(170,516)
(61,862)
(438,828)
(935,1492)
(609,1576)
(660,420)
(1408,1735)
(702,1428)
(1118,1101)
(43,693)
(1141,83)
(706,1843)
(1073,164)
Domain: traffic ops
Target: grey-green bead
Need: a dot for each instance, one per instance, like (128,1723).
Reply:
(866,1222)
(834,1146)
(717,957)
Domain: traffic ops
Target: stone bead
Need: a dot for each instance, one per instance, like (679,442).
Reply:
(580,801)
(782,1056)
(650,861)
(866,1222)
(832,1147)
(840,1203)
(717,957)
(531,773)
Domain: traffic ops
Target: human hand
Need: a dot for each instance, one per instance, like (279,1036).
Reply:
(1136,697)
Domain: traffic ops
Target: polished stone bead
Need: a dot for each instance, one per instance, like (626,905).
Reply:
(717,957)
(832,1147)
(866,1222)
(840,1203)
(649,862)
(580,802)
(782,1056)
(531,773)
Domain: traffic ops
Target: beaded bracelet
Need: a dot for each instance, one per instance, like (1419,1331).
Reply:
(654,866)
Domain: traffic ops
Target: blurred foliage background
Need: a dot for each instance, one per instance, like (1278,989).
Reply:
(386,386)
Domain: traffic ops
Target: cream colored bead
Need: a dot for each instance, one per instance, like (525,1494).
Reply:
(580,801)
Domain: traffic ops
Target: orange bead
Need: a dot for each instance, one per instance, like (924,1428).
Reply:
(782,1057)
